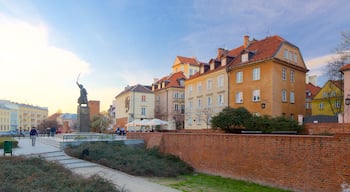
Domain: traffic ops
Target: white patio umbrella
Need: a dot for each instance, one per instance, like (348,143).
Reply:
(135,122)
(157,122)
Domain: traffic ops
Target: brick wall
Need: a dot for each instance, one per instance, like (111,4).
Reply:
(299,163)
(322,128)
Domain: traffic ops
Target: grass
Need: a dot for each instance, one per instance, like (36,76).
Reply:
(199,182)
(20,174)
(163,169)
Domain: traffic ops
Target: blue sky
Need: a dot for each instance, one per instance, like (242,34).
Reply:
(114,43)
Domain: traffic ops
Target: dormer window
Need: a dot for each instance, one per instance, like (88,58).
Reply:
(245,57)
(182,82)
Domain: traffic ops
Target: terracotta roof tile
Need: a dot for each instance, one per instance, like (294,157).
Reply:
(191,61)
(262,49)
(345,68)
(313,89)
(172,79)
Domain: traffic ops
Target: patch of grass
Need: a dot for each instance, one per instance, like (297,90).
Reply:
(132,159)
(19,174)
(208,183)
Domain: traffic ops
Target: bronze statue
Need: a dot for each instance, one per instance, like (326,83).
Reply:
(83,94)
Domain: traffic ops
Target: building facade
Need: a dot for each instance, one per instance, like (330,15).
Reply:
(16,116)
(134,103)
(189,66)
(267,77)
(329,100)
(346,106)
(207,92)
(311,91)
(169,94)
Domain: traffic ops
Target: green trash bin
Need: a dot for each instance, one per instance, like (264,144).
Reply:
(7,147)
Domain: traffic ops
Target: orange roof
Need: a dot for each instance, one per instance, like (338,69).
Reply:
(345,68)
(191,61)
(172,79)
(313,89)
(262,49)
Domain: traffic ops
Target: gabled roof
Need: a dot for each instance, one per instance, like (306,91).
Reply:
(172,80)
(188,60)
(261,49)
(313,89)
(136,88)
(345,67)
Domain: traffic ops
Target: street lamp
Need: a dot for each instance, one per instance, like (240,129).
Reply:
(347,101)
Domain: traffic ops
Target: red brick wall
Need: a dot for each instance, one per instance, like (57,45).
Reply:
(322,128)
(299,163)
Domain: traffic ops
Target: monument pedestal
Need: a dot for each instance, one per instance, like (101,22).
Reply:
(83,118)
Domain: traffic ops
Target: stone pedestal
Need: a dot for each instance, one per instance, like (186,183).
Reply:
(83,120)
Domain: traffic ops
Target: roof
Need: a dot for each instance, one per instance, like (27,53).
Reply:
(261,49)
(136,88)
(54,116)
(173,80)
(188,60)
(313,89)
(69,116)
(345,67)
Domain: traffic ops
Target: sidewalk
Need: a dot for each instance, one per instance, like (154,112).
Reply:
(121,180)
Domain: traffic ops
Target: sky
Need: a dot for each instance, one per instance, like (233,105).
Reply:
(109,44)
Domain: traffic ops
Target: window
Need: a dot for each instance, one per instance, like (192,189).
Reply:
(285,54)
(199,87)
(291,76)
(325,94)
(337,104)
(176,95)
(284,95)
(291,95)
(189,121)
(191,72)
(182,83)
(209,101)
(256,95)
(190,104)
(295,58)
(334,93)
(143,98)
(256,73)
(284,75)
(239,97)
(209,84)
(320,106)
(176,107)
(182,95)
(245,57)
(190,89)
(143,111)
(157,98)
(220,99)
(182,109)
(239,77)
(199,104)
(308,106)
(221,81)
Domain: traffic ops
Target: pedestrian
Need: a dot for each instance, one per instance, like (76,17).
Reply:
(33,134)
(117,131)
(123,131)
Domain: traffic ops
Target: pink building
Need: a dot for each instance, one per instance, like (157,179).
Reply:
(346,71)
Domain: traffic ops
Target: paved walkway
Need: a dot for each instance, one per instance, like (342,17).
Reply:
(121,180)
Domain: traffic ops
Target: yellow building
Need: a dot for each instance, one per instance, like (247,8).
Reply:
(189,66)
(329,100)
(207,92)
(4,118)
(267,77)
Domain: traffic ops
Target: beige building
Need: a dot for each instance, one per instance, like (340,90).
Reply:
(4,118)
(207,92)
(31,116)
(170,100)
(134,103)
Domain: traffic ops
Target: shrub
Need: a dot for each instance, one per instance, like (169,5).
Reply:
(132,159)
(3,139)
(231,119)
(283,123)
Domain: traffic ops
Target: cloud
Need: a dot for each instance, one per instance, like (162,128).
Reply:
(33,71)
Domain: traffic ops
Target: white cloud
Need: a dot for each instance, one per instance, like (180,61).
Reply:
(35,72)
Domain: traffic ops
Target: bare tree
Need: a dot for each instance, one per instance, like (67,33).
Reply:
(343,58)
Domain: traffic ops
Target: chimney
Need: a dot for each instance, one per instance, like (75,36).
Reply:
(246,41)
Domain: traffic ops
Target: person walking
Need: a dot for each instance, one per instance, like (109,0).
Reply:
(33,134)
